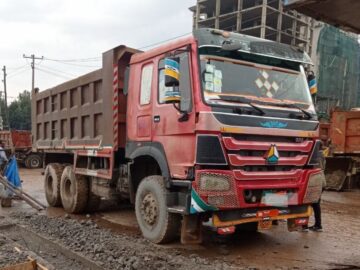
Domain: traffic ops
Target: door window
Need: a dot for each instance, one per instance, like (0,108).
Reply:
(146,80)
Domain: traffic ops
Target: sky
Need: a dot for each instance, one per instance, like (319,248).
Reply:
(72,34)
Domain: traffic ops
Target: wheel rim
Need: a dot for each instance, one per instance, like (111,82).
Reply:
(34,163)
(149,209)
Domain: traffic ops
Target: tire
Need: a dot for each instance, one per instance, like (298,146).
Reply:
(74,191)
(159,226)
(52,179)
(33,161)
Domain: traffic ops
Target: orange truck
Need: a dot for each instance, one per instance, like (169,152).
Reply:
(215,126)
(18,142)
(343,165)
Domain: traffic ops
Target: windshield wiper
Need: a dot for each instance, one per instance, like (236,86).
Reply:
(292,105)
(241,100)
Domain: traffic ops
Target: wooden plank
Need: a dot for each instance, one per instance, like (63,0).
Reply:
(30,265)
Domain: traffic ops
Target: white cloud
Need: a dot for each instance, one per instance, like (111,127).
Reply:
(68,29)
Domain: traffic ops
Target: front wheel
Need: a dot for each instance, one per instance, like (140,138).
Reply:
(155,222)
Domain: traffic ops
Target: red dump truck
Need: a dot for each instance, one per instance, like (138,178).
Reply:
(18,142)
(343,164)
(215,126)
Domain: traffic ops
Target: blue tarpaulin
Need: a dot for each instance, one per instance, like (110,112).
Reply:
(12,173)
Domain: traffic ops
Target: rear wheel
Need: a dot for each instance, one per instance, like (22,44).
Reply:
(156,223)
(33,161)
(52,177)
(74,190)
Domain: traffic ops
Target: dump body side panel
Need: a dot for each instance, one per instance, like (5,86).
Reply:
(345,132)
(85,113)
(16,139)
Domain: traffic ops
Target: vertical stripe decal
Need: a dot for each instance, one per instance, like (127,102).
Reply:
(115,108)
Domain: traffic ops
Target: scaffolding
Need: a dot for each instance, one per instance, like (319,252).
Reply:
(338,69)
(260,18)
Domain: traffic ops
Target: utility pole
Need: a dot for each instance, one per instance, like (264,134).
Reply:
(5,94)
(33,58)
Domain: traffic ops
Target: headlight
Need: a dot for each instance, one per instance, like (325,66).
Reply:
(214,182)
(314,188)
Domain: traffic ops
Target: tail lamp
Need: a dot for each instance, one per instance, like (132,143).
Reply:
(314,188)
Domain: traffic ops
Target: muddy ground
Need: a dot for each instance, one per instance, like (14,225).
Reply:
(111,240)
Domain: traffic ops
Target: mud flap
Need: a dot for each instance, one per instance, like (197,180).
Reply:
(191,232)
(337,171)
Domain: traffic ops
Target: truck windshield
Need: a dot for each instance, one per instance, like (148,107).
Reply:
(260,83)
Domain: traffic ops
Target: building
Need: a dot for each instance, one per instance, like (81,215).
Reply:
(260,18)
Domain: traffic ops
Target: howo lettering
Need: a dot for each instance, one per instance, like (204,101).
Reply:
(214,128)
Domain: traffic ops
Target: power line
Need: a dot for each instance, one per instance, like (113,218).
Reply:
(18,72)
(57,71)
(53,73)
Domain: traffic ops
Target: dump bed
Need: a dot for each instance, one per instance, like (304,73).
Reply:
(343,14)
(345,132)
(16,139)
(84,113)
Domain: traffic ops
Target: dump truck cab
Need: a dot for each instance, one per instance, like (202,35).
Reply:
(228,121)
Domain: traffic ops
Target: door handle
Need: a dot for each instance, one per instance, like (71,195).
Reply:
(156,118)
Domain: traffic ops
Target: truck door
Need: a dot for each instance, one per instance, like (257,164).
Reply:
(144,108)
(175,130)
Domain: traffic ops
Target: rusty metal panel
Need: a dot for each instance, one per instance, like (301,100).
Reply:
(83,113)
(16,139)
(345,132)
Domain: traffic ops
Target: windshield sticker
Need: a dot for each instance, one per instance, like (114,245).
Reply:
(209,77)
(217,85)
(218,73)
(210,68)
(209,86)
(266,86)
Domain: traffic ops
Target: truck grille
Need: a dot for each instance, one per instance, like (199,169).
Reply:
(248,155)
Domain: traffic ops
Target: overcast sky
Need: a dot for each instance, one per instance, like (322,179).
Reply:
(79,29)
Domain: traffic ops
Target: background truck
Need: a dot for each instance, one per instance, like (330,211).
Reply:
(215,126)
(18,142)
(343,164)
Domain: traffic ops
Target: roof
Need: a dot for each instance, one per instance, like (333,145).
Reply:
(343,14)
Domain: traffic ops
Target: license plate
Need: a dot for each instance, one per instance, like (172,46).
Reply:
(265,224)
(267,213)
(274,199)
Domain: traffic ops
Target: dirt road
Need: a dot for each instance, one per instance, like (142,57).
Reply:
(112,240)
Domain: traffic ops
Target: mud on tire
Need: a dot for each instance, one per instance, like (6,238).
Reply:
(52,179)
(155,222)
(74,190)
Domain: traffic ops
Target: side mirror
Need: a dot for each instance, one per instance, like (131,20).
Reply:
(172,77)
(312,83)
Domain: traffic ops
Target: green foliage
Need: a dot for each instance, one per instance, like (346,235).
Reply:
(20,112)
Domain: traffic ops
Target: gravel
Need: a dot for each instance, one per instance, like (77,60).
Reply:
(113,251)
(8,255)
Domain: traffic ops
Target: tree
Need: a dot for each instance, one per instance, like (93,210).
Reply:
(20,112)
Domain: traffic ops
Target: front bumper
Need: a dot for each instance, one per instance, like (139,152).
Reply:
(241,216)
(293,183)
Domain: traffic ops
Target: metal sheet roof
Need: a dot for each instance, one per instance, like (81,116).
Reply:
(343,14)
